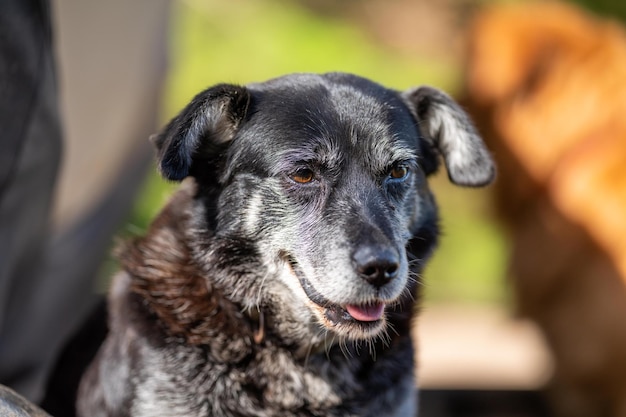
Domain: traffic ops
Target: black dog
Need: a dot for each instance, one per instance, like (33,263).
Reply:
(281,279)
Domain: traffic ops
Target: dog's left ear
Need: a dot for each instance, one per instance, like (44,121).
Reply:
(450,132)
(203,127)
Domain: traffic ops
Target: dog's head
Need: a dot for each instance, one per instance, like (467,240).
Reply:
(318,182)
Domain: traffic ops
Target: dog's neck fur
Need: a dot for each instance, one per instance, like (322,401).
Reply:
(171,287)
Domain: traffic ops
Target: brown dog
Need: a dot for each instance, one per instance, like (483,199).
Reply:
(546,84)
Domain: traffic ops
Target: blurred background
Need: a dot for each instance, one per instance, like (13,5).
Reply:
(494,317)
(470,333)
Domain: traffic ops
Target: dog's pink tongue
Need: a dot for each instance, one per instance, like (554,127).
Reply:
(371,312)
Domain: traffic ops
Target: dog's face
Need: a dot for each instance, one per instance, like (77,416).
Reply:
(325,178)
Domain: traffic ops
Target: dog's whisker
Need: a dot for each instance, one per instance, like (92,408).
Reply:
(260,290)
(372,348)
(308,355)
(343,345)
(357,346)
(406,293)
(416,277)
(329,346)
(386,335)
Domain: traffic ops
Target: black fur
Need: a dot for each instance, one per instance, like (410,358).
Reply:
(281,279)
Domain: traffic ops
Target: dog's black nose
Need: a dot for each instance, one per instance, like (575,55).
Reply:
(376,265)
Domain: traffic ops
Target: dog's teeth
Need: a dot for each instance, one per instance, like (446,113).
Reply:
(371,312)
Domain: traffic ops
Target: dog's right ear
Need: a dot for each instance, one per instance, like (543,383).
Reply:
(450,132)
(203,126)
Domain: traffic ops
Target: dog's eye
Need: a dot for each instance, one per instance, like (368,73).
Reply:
(302,176)
(399,171)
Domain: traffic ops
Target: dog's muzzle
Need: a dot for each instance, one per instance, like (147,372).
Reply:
(366,313)
(359,320)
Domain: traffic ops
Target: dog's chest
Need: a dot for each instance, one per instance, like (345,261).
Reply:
(185,382)
(271,384)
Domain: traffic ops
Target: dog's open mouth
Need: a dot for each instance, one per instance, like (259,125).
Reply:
(369,312)
(366,316)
